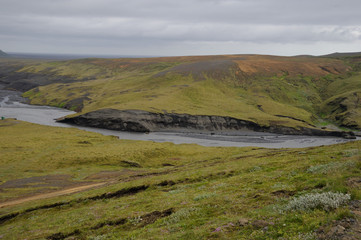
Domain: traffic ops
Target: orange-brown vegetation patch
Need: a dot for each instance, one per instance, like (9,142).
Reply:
(248,64)
(293,66)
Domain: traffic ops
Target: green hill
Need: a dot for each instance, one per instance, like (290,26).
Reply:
(298,91)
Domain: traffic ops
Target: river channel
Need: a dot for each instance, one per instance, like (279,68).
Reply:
(12,105)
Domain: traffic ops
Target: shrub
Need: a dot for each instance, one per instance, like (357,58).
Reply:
(329,167)
(326,201)
(181,214)
(204,196)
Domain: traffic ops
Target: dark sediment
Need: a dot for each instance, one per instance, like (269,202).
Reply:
(143,121)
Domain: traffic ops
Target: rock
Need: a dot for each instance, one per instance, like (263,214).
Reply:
(357,213)
(348,135)
(143,121)
(340,229)
(336,231)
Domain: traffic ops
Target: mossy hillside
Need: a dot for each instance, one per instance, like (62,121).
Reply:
(211,190)
(344,105)
(70,68)
(265,89)
(178,94)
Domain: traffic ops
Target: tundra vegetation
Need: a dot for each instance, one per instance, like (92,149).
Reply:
(65,183)
(301,91)
(167,191)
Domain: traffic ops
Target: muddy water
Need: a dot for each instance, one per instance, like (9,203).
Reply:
(12,105)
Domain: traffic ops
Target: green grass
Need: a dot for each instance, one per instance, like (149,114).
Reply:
(268,90)
(209,188)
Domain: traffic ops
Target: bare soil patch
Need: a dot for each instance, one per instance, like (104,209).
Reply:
(50,195)
(39,181)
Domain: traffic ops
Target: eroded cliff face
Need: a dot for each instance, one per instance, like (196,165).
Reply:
(143,121)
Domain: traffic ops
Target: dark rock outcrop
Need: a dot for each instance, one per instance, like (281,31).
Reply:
(143,121)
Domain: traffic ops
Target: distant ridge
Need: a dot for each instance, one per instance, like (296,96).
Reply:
(3,54)
(60,56)
(346,54)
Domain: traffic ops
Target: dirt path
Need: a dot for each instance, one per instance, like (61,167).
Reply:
(50,195)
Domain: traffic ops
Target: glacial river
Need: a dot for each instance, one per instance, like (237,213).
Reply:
(12,106)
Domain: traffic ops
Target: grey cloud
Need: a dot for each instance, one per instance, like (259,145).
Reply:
(257,11)
(164,24)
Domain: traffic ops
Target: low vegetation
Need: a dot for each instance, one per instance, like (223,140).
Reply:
(269,90)
(65,183)
(326,200)
(167,191)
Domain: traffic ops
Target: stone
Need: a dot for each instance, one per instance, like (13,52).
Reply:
(357,213)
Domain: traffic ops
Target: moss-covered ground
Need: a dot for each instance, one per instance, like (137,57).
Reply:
(269,90)
(167,191)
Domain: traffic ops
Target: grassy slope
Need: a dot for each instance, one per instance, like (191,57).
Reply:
(269,90)
(344,104)
(212,188)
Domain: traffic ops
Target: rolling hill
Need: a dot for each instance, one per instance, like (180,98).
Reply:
(294,92)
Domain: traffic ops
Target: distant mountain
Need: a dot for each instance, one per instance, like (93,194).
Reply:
(345,54)
(3,54)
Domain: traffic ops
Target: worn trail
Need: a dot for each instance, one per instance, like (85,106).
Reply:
(50,195)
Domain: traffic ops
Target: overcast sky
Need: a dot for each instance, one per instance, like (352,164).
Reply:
(180,27)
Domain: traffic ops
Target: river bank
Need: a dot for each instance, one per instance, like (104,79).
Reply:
(13,106)
(143,121)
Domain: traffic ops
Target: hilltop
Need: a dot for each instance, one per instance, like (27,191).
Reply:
(343,54)
(272,92)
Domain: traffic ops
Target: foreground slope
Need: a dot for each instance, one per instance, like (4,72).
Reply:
(166,191)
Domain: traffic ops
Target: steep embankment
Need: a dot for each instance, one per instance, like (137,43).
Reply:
(143,121)
(270,91)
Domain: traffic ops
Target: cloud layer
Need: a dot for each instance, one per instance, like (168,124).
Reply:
(188,27)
